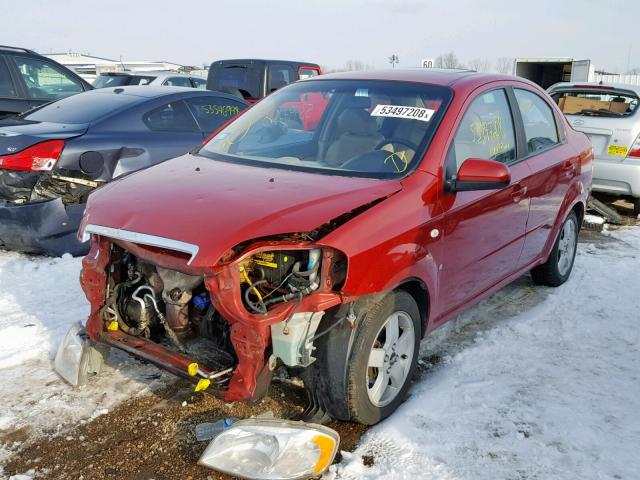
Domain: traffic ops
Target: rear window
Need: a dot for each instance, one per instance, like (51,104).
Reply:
(82,108)
(245,77)
(104,81)
(596,102)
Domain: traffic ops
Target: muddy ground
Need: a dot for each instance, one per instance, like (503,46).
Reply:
(153,437)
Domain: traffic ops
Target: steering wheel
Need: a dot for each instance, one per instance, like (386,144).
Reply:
(396,140)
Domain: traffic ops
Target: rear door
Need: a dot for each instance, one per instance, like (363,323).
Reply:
(12,96)
(553,163)
(580,70)
(483,230)
(244,77)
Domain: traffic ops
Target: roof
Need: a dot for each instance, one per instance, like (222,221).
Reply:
(15,49)
(147,91)
(266,60)
(158,73)
(433,76)
(617,86)
(80,56)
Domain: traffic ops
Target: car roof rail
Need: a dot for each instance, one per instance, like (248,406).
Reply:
(16,49)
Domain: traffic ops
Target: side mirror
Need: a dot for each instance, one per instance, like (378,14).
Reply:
(479,174)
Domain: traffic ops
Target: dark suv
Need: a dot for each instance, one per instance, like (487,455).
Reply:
(28,80)
(253,79)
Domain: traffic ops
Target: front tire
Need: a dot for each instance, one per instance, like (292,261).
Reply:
(363,375)
(557,269)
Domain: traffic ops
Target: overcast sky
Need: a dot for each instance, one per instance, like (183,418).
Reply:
(328,32)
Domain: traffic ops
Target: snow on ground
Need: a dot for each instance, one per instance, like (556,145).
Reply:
(39,299)
(534,383)
(547,387)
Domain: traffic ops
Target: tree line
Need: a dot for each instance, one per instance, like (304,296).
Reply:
(446,60)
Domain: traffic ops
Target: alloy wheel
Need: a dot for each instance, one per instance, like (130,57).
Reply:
(390,359)
(566,246)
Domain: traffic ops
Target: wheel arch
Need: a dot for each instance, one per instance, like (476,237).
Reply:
(420,293)
(579,209)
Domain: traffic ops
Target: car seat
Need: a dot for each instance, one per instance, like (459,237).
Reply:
(358,134)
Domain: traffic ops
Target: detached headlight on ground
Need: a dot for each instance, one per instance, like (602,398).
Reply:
(76,360)
(272,449)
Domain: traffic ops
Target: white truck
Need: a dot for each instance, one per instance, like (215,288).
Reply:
(551,70)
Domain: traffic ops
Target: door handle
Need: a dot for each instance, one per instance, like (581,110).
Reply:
(518,193)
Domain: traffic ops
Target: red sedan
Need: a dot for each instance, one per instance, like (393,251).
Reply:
(334,246)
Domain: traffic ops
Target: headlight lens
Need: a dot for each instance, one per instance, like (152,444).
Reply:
(272,449)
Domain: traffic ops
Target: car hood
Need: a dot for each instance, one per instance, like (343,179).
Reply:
(216,205)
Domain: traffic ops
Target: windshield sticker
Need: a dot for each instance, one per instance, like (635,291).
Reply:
(400,111)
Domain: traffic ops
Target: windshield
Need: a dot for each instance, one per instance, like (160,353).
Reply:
(82,108)
(596,102)
(104,81)
(243,77)
(369,128)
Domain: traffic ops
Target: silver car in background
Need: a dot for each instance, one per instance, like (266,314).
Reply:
(170,79)
(607,114)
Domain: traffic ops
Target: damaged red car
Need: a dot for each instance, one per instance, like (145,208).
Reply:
(332,226)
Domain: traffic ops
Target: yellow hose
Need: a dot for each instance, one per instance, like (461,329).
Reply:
(245,277)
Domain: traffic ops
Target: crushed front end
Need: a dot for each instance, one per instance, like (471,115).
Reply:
(224,327)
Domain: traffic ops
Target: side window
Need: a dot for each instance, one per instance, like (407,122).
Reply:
(170,117)
(486,130)
(211,112)
(7,88)
(200,83)
(279,76)
(539,122)
(44,80)
(306,72)
(178,82)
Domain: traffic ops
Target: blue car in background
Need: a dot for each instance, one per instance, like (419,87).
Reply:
(53,157)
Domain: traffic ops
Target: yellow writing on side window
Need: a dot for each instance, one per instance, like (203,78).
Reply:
(487,131)
(221,110)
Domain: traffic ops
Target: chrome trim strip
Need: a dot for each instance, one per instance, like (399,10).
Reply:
(144,239)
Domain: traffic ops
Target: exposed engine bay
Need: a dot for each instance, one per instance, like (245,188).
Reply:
(279,276)
(174,310)
(166,307)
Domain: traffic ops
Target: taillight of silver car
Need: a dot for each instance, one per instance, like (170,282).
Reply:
(634,151)
(36,158)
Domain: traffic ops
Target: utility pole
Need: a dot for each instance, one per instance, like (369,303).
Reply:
(393,59)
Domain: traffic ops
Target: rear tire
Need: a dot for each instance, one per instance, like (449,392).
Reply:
(557,269)
(362,375)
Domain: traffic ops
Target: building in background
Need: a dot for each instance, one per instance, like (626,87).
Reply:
(89,66)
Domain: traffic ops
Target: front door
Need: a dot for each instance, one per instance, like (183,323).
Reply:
(483,230)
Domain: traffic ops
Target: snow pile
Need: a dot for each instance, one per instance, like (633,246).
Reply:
(551,392)
(39,299)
